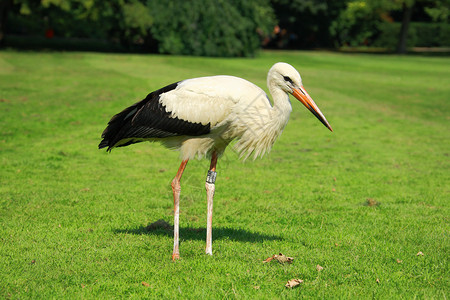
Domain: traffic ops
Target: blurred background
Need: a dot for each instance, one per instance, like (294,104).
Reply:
(227,28)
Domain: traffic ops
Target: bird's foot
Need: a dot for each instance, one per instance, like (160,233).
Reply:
(175,256)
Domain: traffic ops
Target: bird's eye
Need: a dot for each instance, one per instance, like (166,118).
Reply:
(288,79)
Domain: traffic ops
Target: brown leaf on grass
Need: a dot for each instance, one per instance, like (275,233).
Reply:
(268,259)
(420,253)
(145,284)
(399,261)
(160,224)
(372,202)
(293,283)
(319,268)
(281,258)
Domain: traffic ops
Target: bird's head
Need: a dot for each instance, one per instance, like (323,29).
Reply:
(287,78)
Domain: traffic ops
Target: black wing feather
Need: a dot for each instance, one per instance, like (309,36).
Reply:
(147,119)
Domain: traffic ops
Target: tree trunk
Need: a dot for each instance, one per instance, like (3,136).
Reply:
(4,8)
(407,12)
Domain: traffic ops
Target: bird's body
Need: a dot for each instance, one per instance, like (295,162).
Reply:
(201,116)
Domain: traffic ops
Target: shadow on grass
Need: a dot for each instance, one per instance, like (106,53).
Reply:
(188,233)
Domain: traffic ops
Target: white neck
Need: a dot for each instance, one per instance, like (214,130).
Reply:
(281,105)
(260,139)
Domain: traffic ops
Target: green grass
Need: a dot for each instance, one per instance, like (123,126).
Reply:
(73,218)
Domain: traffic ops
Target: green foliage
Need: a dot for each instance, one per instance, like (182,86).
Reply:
(439,10)
(388,36)
(431,34)
(359,23)
(355,25)
(367,22)
(224,27)
(136,17)
(306,22)
(67,18)
(419,35)
(210,28)
(361,202)
(313,6)
(134,22)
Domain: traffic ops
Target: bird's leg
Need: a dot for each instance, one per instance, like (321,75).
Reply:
(176,188)
(210,188)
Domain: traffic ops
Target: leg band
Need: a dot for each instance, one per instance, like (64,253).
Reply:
(211,177)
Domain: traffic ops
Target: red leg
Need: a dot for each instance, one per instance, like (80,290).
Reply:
(176,188)
(210,189)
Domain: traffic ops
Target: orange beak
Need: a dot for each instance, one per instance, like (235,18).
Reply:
(307,101)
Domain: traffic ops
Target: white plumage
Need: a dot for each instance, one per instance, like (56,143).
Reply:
(236,110)
(201,116)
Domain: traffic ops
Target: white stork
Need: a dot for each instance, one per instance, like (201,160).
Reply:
(201,116)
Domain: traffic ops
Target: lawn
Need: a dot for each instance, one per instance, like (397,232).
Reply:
(361,202)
